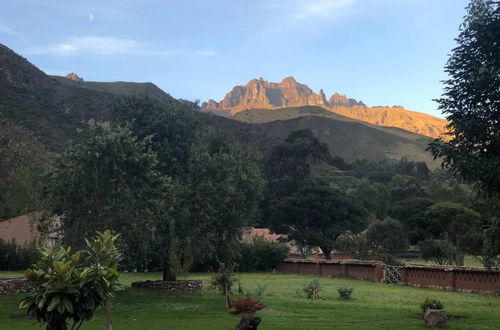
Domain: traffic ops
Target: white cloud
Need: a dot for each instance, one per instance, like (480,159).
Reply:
(91,17)
(299,10)
(111,46)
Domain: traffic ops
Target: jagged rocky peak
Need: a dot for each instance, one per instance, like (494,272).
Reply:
(73,76)
(343,101)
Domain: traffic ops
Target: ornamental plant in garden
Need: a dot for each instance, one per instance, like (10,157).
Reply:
(69,287)
(245,307)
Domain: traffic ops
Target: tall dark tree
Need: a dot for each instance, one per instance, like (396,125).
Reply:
(317,216)
(289,165)
(471,99)
(107,179)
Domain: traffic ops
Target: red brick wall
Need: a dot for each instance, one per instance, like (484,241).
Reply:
(452,278)
(368,270)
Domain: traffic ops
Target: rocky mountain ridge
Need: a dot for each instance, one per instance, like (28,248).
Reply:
(262,94)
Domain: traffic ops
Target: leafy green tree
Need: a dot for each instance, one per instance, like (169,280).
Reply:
(71,287)
(108,179)
(288,166)
(317,216)
(471,99)
(23,161)
(411,212)
(222,197)
(374,197)
(386,236)
(455,221)
(442,252)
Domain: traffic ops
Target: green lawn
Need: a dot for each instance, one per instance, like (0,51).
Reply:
(469,261)
(374,306)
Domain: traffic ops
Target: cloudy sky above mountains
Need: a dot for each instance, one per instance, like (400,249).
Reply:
(383,52)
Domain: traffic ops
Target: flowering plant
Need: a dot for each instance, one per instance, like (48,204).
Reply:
(245,306)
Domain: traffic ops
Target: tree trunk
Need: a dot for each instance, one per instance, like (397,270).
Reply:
(327,252)
(109,319)
(168,274)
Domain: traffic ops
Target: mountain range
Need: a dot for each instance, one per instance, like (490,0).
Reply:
(262,94)
(53,108)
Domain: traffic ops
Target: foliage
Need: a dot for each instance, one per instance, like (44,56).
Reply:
(245,305)
(16,257)
(108,179)
(345,292)
(355,244)
(441,252)
(261,254)
(412,213)
(374,197)
(23,161)
(221,198)
(471,99)
(317,216)
(288,166)
(454,221)
(223,279)
(70,287)
(431,304)
(261,289)
(313,289)
(386,236)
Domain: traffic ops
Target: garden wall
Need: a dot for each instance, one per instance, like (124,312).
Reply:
(452,278)
(364,270)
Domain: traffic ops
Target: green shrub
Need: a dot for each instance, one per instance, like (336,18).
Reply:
(431,304)
(69,287)
(312,289)
(17,257)
(261,254)
(345,292)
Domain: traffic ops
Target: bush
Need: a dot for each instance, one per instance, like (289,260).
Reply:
(245,306)
(431,304)
(345,292)
(261,254)
(17,257)
(223,279)
(440,251)
(312,289)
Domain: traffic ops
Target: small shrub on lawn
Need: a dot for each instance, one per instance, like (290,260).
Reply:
(345,292)
(312,290)
(261,289)
(245,306)
(431,304)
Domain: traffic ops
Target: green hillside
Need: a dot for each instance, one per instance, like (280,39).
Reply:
(119,88)
(348,138)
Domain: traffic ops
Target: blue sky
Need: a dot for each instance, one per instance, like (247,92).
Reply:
(384,52)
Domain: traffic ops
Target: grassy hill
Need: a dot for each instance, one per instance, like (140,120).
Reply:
(119,88)
(349,138)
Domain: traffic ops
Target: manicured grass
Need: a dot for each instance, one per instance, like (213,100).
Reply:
(374,306)
(469,261)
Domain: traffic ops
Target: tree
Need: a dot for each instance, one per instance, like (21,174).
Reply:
(23,161)
(317,216)
(288,167)
(386,236)
(472,99)
(373,196)
(441,252)
(412,214)
(221,197)
(72,286)
(455,221)
(108,179)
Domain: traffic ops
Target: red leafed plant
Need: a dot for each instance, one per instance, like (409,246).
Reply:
(245,306)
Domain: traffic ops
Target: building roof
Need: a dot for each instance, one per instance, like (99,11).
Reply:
(21,229)
(260,232)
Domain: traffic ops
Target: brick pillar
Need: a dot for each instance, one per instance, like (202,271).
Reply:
(344,270)
(318,268)
(453,279)
(404,275)
(295,267)
(379,272)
